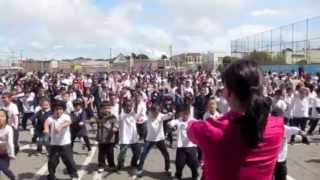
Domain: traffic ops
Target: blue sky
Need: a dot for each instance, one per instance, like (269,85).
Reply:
(48,29)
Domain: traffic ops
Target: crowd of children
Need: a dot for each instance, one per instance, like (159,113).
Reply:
(136,111)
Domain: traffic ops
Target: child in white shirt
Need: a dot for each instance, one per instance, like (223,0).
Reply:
(141,110)
(128,135)
(60,140)
(300,110)
(13,117)
(211,110)
(155,136)
(280,172)
(315,113)
(186,151)
(6,145)
(28,107)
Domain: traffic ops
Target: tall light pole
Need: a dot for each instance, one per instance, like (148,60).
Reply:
(110,53)
(171,55)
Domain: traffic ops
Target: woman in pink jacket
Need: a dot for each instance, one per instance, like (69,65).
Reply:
(244,143)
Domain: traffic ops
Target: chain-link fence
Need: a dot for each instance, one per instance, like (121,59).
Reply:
(295,43)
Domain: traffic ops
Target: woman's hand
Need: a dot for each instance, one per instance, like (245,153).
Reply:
(12,158)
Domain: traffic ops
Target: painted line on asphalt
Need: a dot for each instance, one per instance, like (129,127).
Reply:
(86,162)
(28,146)
(41,171)
(97,176)
(81,172)
(290,178)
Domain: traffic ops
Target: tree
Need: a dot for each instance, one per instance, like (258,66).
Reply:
(164,57)
(142,56)
(226,60)
(263,57)
(303,61)
(134,56)
(260,57)
(220,68)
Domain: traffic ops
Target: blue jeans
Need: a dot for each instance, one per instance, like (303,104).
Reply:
(43,140)
(135,148)
(4,166)
(163,149)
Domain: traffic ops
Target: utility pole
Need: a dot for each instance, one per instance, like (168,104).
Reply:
(110,53)
(171,56)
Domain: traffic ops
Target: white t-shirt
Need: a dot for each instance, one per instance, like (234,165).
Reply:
(301,108)
(142,111)
(63,137)
(70,107)
(6,141)
(115,110)
(223,105)
(215,116)
(315,105)
(289,101)
(189,90)
(88,83)
(13,111)
(182,137)
(155,128)
(127,128)
(289,131)
(28,103)
(281,104)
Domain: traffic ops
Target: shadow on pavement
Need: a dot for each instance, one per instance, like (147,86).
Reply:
(28,175)
(157,175)
(313,161)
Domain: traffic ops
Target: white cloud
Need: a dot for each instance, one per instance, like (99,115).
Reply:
(72,28)
(266,12)
(56,47)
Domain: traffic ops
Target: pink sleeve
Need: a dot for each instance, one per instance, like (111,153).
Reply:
(195,131)
(202,132)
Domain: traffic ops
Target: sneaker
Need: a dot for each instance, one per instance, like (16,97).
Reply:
(112,169)
(169,172)
(100,170)
(139,173)
(76,176)
(119,168)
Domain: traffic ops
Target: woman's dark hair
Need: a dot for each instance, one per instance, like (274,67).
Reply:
(244,79)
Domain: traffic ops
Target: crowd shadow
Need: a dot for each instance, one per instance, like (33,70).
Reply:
(157,175)
(28,175)
(313,161)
